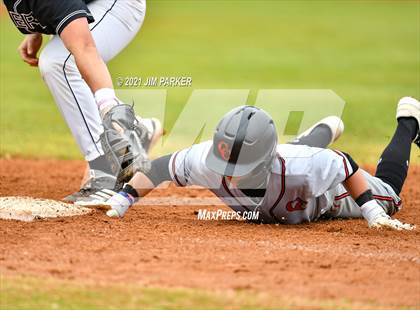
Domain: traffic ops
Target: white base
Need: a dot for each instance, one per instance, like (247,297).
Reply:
(28,209)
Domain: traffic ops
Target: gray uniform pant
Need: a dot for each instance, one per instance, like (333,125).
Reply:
(116,24)
(342,205)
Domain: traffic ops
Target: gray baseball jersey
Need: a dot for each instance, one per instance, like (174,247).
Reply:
(304,185)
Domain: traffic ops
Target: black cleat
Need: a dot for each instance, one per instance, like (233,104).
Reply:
(98,181)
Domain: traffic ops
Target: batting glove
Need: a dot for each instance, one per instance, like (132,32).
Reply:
(377,218)
(119,204)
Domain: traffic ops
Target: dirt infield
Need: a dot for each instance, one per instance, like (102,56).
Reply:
(168,246)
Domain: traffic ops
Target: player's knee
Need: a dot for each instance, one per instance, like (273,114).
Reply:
(50,64)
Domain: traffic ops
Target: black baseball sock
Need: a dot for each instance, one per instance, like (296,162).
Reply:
(320,137)
(101,163)
(393,164)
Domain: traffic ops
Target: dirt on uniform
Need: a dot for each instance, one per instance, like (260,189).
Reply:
(168,246)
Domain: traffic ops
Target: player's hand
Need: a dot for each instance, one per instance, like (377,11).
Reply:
(119,204)
(387,222)
(377,218)
(29,48)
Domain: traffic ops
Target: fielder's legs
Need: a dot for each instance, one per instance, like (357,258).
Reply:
(116,24)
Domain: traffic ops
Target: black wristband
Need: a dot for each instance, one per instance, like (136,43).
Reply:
(363,198)
(130,190)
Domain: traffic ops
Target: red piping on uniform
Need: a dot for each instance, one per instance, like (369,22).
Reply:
(388,198)
(344,195)
(378,197)
(346,169)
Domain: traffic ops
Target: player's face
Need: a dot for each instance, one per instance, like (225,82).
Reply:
(233,180)
(254,180)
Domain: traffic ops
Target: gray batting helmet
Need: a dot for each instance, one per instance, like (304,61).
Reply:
(245,139)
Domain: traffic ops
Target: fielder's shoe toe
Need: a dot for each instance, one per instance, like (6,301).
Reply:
(98,181)
(83,192)
(97,199)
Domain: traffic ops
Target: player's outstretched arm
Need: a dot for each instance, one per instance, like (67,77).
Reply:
(329,168)
(374,214)
(139,186)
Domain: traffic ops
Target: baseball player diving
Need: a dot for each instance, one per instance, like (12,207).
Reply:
(85,35)
(286,183)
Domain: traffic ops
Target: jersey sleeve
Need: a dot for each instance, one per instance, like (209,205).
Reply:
(187,167)
(328,169)
(58,14)
(179,166)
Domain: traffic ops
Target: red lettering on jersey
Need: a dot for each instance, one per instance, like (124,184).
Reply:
(224,150)
(335,206)
(296,205)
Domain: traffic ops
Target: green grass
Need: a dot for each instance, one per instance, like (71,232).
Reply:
(34,293)
(366,52)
